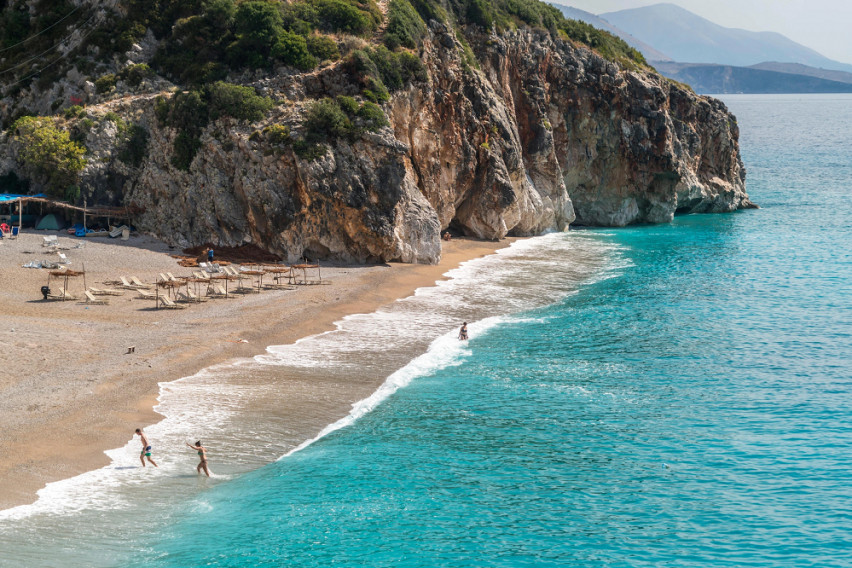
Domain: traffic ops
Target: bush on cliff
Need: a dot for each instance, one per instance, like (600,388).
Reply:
(48,154)
(190,112)
(381,71)
(330,119)
(242,103)
(405,27)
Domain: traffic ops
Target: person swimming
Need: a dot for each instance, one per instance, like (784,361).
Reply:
(202,453)
(463,332)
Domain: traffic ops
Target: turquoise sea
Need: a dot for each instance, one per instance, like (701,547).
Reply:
(672,395)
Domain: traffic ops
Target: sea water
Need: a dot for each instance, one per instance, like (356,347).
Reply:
(669,395)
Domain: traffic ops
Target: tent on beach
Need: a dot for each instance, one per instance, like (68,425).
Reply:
(50,222)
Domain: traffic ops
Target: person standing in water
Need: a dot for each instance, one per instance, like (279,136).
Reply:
(202,453)
(463,332)
(146,448)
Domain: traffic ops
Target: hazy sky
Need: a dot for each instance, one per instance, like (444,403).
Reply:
(823,25)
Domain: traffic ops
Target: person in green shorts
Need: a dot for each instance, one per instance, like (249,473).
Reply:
(146,448)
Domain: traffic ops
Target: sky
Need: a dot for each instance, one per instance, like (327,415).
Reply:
(822,25)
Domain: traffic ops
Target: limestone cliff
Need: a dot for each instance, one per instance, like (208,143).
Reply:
(543,134)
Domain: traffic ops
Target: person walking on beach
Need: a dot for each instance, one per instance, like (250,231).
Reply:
(146,448)
(210,255)
(202,453)
(463,332)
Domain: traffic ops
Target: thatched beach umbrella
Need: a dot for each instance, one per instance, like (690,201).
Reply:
(65,275)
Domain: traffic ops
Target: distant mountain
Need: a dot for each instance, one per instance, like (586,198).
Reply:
(684,36)
(648,51)
(799,69)
(718,79)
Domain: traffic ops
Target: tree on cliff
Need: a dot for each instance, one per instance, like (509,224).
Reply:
(48,154)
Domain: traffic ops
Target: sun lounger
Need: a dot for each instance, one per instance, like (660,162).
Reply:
(146,294)
(63,259)
(218,291)
(105,292)
(195,297)
(125,283)
(50,241)
(172,277)
(62,296)
(203,275)
(167,303)
(137,282)
(90,299)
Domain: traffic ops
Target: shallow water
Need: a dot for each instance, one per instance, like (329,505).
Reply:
(673,395)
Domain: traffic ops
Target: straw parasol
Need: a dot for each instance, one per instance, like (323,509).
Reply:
(65,275)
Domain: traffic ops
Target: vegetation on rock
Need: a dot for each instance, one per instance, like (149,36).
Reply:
(48,153)
(189,112)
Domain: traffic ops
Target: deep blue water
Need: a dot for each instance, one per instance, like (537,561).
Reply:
(691,410)
(684,399)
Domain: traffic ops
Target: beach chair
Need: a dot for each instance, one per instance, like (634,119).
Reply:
(105,291)
(219,292)
(167,303)
(172,277)
(63,259)
(138,283)
(62,296)
(195,297)
(125,283)
(90,299)
(146,294)
(50,241)
(163,277)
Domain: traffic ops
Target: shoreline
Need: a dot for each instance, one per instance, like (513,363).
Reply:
(70,390)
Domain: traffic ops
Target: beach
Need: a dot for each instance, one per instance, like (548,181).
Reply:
(71,390)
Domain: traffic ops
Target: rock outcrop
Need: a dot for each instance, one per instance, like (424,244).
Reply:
(542,135)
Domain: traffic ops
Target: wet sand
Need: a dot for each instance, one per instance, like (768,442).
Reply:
(68,388)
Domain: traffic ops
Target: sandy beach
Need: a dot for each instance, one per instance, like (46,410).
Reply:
(69,388)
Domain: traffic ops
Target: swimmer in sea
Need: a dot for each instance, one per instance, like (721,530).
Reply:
(146,448)
(463,332)
(202,453)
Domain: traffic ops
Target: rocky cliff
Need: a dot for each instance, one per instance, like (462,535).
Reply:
(535,134)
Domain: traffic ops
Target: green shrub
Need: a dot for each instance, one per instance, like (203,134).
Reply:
(309,151)
(134,146)
(329,119)
(323,48)
(105,83)
(481,12)
(133,75)
(185,148)
(292,49)
(278,134)
(48,153)
(113,117)
(242,103)
(74,112)
(342,16)
(405,27)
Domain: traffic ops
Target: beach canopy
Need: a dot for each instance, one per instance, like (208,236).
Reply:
(50,222)
(4,197)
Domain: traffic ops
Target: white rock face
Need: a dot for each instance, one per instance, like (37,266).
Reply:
(543,135)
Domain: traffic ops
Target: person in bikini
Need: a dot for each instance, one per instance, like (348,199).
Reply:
(202,453)
(463,332)
(146,448)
